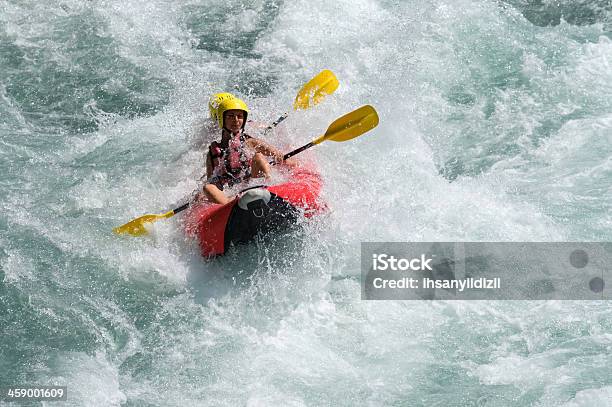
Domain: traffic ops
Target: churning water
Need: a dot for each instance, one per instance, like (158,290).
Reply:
(496,125)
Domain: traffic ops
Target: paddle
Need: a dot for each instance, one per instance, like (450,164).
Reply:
(347,127)
(312,93)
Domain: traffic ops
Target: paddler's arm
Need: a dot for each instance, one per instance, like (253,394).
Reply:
(209,167)
(205,193)
(266,149)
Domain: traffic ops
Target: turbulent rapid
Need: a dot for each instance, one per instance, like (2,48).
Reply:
(495,126)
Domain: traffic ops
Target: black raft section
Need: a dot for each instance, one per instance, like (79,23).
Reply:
(258,215)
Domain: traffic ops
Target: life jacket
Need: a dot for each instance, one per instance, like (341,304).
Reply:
(231,161)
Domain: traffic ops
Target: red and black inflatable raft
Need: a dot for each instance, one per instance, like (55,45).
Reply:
(257,210)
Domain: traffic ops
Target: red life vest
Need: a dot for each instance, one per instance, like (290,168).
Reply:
(230,163)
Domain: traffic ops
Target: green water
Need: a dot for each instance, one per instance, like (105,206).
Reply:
(496,123)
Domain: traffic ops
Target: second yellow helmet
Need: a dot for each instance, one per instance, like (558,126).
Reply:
(215,100)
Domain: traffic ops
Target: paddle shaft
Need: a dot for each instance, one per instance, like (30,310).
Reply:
(298,150)
(181,208)
(276,123)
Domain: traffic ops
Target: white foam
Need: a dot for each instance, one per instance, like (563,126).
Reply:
(591,397)
(267,324)
(17,268)
(91,380)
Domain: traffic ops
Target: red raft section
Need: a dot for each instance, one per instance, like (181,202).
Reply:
(253,211)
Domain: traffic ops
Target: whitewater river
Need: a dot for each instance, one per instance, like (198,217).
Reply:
(495,125)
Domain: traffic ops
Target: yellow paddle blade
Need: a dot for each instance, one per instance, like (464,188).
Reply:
(351,125)
(325,83)
(136,227)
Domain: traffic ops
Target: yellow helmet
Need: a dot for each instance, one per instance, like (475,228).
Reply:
(231,104)
(215,101)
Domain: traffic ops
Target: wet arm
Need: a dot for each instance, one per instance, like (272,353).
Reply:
(264,148)
(209,168)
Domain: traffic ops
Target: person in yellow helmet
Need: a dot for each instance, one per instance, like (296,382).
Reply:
(237,156)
